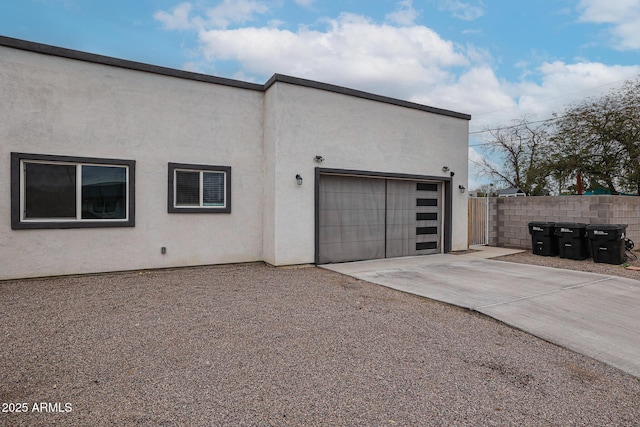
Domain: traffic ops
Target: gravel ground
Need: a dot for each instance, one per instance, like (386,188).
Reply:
(256,345)
(584,265)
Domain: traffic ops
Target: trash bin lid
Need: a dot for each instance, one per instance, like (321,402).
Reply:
(541,224)
(605,227)
(570,225)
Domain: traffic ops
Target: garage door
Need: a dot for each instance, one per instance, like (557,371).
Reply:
(368,218)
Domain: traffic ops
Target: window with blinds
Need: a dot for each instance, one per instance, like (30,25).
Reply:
(213,189)
(187,188)
(199,188)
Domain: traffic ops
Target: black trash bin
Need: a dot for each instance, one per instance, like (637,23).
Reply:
(607,242)
(543,239)
(573,242)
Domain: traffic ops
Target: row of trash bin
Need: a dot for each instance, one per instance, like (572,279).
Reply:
(604,242)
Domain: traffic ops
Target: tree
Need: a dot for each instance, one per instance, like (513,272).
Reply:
(522,149)
(487,190)
(600,140)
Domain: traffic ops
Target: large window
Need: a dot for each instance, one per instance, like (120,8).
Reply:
(199,189)
(71,192)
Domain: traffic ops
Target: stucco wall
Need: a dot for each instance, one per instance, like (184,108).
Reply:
(269,178)
(52,105)
(357,134)
(62,106)
(509,217)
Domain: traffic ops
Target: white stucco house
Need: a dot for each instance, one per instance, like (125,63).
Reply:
(111,165)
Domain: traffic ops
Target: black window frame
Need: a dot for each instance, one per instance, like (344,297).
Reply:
(19,223)
(172,208)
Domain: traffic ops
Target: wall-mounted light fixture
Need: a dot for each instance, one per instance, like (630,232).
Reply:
(461,188)
(298,179)
(445,169)
(319,159)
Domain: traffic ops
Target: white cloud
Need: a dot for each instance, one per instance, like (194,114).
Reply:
(223,15)
(407,62)
(351,51)
(178,19)
(235,12)
(476,90)
(563,84)
(463,10)
(405,14)
(623,17)
(607,11)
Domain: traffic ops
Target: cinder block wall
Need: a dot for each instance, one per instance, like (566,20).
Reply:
(509,217)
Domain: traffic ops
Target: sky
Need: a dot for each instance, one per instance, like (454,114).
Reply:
(497,60)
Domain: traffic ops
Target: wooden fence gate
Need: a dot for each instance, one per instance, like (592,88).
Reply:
(478,221)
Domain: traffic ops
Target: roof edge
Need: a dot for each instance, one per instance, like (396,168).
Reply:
(122,63)
(172,72)
(361,94)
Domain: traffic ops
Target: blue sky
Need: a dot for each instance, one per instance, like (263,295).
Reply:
(494,59)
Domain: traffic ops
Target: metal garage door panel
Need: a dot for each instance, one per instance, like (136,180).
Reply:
(428,218)
(351,219)
(401,218)
(414,215)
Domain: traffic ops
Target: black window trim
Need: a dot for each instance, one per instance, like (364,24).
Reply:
(171,208)
(18,224)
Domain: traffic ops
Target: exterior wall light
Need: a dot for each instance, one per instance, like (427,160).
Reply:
(299,179)
(319,159)
(461,188)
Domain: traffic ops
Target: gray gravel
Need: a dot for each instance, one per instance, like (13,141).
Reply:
(580,265)
(255,345)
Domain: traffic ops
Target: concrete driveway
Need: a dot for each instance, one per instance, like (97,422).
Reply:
(592,314)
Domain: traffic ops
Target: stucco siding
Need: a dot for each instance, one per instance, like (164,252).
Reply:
(269,178)
(54,105)
(353,133)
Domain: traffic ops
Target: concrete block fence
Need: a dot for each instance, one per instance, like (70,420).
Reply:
(509,217)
